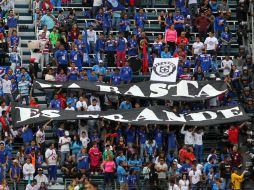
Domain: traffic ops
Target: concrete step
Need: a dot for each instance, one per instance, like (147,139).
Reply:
(21,9)
(22,2)
(25,18)
(56,187)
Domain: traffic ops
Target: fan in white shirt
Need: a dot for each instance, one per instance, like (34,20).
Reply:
(28,170)
(69,107)
(197,47)
(195,175)
(188,136)
(211,42)
(94,106)
(81,104)
(97,98)
(6,83)
(51,156)
(226,65)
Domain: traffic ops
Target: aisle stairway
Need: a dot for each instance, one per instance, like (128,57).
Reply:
(27,33)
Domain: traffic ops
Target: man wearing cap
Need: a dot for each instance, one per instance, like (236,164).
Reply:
(40,177)
(64,144)
(178,22)
(14,173)
(99,69)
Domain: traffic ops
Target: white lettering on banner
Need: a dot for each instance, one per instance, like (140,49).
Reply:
(201,117)
(43,85)
(27,113)
(183,88)
(74,85)
(50,113)
(88,116)
(160,88)
(135,91)
(173,117)
(104,88)
(147,115)
(209,91)
(232,112)
(115,117)
(58,85)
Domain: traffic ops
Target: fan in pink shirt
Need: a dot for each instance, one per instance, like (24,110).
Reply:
(171,38)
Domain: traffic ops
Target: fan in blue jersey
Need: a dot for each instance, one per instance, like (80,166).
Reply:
(205,61)
(219,24)
(156,48)
(226,38)
(126,73)
(132,46)
(140,18)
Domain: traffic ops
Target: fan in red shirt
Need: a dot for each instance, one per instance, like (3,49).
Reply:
(182,40)
(233,133)
(62,98)
(236,157)
(180,53)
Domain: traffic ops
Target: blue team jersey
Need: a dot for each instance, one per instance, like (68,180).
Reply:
(139,19)
(115,79)
(107,20)
(121,44)
(132,44)
(110,45)
(126,73)
(157,47)
(219,20)
(100,45)
(124,24)
(73,73)
(130,133)
(205,61)
(14,40)
(62,57)
(177,18)
(180,3)
(99,17)
(159,137)
(142,136)
(84,163)
(55,103)
(226,36)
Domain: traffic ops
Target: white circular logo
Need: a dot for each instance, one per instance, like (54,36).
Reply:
(164,69)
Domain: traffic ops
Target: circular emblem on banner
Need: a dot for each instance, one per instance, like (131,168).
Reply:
(164,69)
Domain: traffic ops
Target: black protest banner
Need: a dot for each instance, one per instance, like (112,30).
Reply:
(140,116)
(183,90)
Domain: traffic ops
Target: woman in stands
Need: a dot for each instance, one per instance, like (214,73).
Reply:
(108,167)
(171,38)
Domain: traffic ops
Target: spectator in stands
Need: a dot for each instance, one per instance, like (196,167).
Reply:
(64,144)
(140,19)
(47,6)
(202,23)
(50,75)
(51,161)
(188,136)
(95,155)
(121,46)
(12,22)
(122,175)
(126,73)
(23,87)
(48,20)
(237,179)
(96,6)
(91,38)
(162,19)
(62,58)
(197,47)
(54,36)
(107,21)
(40,177)
(223,7)
(171,38)
(6,83)
(61,77)
(226,65)
(13,40)
(178,22)
(226,38)
(28,170)
(108,168)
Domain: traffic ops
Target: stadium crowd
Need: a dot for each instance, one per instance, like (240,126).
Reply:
(129,157)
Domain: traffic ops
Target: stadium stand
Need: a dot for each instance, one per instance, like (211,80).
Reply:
(26,52)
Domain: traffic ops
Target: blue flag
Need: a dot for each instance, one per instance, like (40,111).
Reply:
(115,5)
